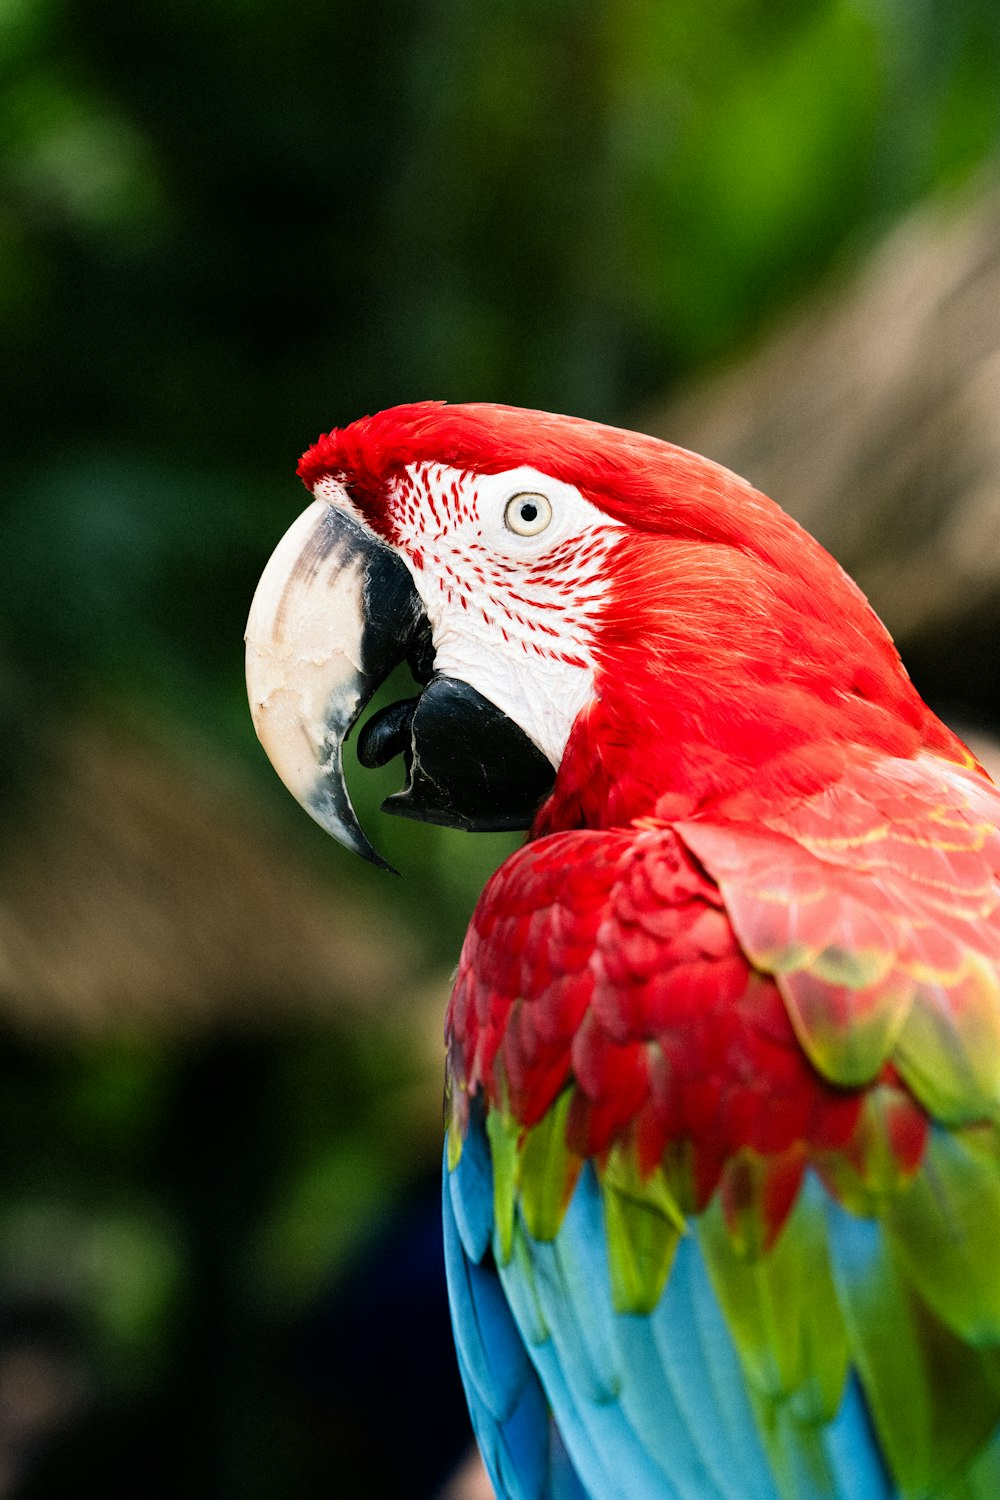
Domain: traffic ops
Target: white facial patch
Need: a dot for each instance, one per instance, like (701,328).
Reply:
(509,569)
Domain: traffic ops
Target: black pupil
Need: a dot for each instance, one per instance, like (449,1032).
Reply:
(529,511)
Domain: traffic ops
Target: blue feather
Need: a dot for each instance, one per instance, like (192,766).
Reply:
(636,1424)
(699,1361)
(572,1400)
(570,1276)
(511,1417)
(489,1346)
(853,1451)
(470,1188)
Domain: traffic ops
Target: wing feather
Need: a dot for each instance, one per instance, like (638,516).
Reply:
(741,1086)
(511,1414)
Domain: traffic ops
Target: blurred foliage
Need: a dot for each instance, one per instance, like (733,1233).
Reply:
(225,227)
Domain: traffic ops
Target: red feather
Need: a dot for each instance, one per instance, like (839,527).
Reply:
(759,911)
(732,651)
(721,987)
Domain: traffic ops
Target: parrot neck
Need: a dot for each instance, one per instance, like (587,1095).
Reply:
(732,687)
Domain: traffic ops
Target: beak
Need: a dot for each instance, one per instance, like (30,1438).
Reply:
(335,611)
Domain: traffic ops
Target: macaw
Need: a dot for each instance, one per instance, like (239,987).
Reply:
(722,1167)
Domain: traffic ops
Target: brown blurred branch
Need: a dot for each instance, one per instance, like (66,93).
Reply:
(873,415)
(139,891)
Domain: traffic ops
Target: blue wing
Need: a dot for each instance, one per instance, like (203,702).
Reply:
(524,1454)
(570,1399)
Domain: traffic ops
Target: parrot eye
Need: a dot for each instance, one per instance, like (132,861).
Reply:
(528,514)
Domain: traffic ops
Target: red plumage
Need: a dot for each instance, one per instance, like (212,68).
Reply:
(739,983)
(609,961)
(733,651)
(755,927)
(722,1194)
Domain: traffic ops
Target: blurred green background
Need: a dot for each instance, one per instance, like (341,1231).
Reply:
(224,228)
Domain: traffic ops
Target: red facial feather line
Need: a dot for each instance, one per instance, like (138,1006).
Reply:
(545,605)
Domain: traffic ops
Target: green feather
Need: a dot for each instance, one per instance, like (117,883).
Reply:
(643,1224)
(856,968)
(949,1049)
(847,1031)
(453,1141)
(945,1230)
(782,1310)
(548,1171)
(933,1399)
(530,1318)
(504,1135)
(980,1481)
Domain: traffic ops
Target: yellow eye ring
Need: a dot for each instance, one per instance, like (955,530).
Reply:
(527,514)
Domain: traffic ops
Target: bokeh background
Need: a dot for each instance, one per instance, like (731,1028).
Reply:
(768,230)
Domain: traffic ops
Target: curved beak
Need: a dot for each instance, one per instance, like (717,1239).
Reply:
(335,611)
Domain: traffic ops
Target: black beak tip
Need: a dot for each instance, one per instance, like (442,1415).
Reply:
(331,807)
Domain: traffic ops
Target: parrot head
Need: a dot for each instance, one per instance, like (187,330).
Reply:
(595,620)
